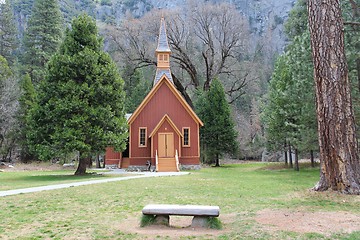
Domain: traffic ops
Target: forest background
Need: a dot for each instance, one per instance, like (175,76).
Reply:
(259,50)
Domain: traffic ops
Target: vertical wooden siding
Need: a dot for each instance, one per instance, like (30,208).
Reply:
(112,157)
(163,102)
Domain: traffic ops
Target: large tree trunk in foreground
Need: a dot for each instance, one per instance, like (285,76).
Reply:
(340,167)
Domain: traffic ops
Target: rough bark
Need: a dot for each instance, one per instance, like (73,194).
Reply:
(83,163)
(340,167)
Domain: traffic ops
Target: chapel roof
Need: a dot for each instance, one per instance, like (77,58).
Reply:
(160,73)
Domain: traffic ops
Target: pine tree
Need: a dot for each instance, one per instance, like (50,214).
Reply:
(218,136)
(81,103)
(26,102)
(289,114)
(276,110)
(42,37)
(8,32)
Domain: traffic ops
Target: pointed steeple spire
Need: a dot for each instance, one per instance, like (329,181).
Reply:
(163,45)
(163,54)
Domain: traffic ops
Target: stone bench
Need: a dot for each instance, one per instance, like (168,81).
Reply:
(200,213)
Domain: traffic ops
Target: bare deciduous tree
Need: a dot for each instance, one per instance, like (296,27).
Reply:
(207,42)
(8,109)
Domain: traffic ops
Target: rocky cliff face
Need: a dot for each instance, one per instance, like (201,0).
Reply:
(266,17)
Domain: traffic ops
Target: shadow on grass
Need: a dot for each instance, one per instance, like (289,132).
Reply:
(59,178)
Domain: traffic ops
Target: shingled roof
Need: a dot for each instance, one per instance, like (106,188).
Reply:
(160,73)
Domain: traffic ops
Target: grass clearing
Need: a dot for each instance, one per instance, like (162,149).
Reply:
(26,179)
(113,210)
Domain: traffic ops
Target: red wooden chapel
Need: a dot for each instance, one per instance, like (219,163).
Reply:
(164,129)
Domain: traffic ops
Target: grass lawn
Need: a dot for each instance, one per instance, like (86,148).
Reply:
(25,179)
(113,210)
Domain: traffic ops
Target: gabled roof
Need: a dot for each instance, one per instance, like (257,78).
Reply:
(168,119)
(165,80)
(163,45)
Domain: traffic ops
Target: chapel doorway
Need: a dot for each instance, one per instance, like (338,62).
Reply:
(166,153)
(166,145)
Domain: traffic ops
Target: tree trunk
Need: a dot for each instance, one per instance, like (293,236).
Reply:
(312,158)
(296,160)
(290,156)
(83,163)
(98,161)
(285,152)
(89,163)
(182,90)
(217,161)
(340,166)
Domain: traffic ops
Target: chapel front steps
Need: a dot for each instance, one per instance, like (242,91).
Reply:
(167,165)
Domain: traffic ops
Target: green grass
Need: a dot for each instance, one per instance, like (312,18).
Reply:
(147,220)
(26,179)
(214,223)
(111,210)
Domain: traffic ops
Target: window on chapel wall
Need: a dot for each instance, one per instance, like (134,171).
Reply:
(166,59)
(142,137)
(186,138)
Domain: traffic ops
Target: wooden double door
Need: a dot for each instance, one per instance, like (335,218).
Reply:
(166,145)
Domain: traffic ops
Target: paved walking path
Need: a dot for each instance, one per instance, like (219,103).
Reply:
(75,184)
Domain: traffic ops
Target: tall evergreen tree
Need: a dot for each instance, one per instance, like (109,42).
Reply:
(303,94)
(276,110)
(218,136)
(27,100)
(289,114)
(81,103)
(42,37)
(8,33)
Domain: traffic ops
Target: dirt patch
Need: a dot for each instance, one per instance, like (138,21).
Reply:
(180,226)
(35,166)
(307,222)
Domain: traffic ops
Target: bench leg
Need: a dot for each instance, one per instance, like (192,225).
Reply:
(162,220)
(199,221)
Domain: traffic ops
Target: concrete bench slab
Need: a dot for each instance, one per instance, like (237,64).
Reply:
(181,210)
